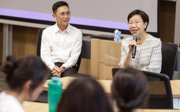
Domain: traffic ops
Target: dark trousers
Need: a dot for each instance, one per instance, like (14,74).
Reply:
(72,71)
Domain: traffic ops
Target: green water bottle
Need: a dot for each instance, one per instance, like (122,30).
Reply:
(54,93)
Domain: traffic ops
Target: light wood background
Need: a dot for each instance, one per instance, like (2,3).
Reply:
(25,38)
(1,43)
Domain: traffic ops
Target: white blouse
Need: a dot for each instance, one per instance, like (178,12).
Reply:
(9,103)
(148,54)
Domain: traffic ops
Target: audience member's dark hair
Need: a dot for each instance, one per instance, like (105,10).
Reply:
(142,14)
(59,4)
(129,89)
(84,95)
(19,71)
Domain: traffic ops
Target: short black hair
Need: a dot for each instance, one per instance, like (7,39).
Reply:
(141,13)
(21,70)
(59,4)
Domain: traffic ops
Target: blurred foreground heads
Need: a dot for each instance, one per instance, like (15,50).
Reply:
(25,78)
(129,89)
(84,95)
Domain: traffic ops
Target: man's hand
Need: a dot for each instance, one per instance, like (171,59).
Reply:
(62,69)
(58,70)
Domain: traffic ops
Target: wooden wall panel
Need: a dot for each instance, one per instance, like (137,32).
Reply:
(1,42)
(105,55)
(85,66)
(167,20)
(24,41)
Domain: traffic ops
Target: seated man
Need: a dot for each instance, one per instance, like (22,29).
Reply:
(61,43)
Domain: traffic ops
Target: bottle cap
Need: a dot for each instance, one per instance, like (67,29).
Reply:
(117,35)
(55,79)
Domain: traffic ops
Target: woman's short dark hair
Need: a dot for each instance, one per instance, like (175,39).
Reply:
(84,95)
(19,71)
(59,4)
(141,13)
(129,89)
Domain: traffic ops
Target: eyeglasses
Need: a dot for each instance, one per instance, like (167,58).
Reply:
(63,14)
(135,22)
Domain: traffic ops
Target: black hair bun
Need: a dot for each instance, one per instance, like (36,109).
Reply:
(9,66)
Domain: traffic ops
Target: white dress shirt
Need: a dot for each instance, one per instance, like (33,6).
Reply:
(58,46)
(9,103)
(148,54)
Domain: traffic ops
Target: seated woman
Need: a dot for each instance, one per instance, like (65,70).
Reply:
(84,95)
(141,50)
(129,90)
(25,78)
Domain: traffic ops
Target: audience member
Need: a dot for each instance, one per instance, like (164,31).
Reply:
(84,95)
(129,90)
(25,78)
(148,56)
(61,43)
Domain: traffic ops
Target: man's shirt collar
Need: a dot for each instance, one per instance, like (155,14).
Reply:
(56,29)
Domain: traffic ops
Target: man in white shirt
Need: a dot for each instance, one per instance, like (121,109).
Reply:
(61,43)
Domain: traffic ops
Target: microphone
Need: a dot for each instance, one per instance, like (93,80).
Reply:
(135,36)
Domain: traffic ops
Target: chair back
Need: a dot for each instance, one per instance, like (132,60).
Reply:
(159,90)
(77,65)
(168,59)
(39,37)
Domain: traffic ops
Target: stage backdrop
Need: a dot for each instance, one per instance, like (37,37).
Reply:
(100,13)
